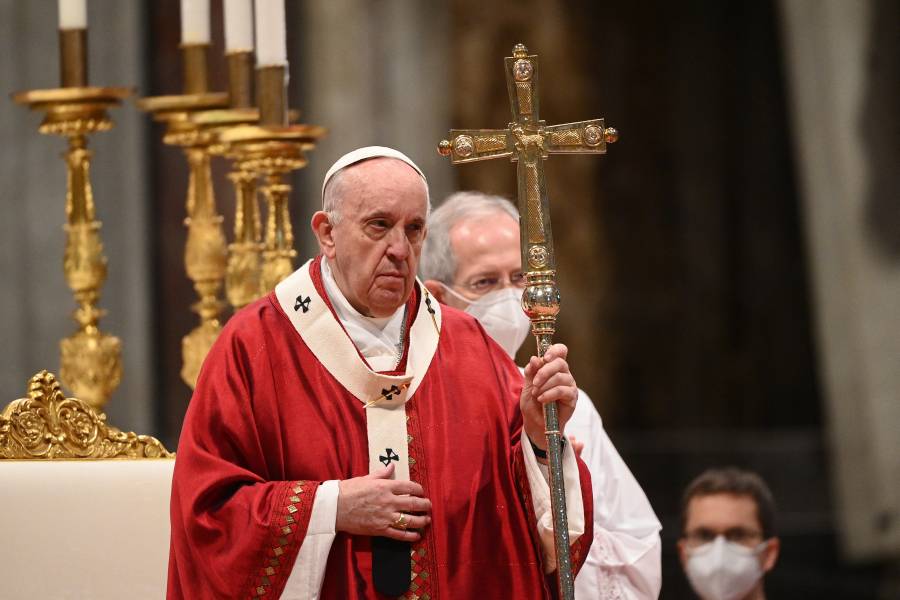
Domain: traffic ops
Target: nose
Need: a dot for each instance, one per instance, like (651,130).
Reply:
(398,248)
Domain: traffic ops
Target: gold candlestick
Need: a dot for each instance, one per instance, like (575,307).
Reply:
(240,78)
(242,271)
(73,70)
(271,95)
(278,248)
(205,252)
(90,363)
(244,277)
(269,151)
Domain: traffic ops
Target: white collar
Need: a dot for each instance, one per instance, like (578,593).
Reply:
(314,322)
(378,339)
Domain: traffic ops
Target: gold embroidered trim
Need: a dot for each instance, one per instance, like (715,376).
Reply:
(421,586)
(287,530)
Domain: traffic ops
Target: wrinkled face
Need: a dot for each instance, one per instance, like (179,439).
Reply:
(374,248)
(487,255)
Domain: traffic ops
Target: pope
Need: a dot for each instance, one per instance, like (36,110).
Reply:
(349,437)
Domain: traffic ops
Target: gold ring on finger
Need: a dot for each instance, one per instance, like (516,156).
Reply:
(400,522)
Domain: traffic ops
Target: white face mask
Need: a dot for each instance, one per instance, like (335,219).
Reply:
(723,570)
(500,313)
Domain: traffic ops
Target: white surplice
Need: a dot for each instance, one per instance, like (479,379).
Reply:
(624,560)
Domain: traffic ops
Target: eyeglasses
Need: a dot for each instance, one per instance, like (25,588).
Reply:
(738,535)
(482,285)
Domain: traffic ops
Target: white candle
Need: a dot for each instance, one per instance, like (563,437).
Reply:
(194,21)
(271,37)
(238,25)
(73,14)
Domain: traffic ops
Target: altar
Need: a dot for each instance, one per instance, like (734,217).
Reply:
(94,529)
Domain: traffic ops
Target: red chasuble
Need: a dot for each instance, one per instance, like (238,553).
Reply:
(268,423)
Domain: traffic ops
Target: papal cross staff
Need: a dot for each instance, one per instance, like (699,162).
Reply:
(528,141)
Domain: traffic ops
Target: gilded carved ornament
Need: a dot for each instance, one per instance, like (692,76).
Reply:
(46,425)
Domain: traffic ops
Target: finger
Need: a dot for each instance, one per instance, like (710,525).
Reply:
(564,395)
(534,363)
(557,365)
(550,369)
(412,488)
(382,472)
(415,505)
(557,380)
(412,522)
(400,534)
(556,351)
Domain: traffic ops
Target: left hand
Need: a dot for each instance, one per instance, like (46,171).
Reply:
(547,379)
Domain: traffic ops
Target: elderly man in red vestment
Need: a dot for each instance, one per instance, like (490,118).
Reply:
(351,438)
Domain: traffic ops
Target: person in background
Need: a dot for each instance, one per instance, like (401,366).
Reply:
(728,540)
(471,260)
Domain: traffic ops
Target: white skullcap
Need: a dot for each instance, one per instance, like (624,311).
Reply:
(361,154)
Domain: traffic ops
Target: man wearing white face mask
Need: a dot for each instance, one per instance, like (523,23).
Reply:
(728,534)
(471,261)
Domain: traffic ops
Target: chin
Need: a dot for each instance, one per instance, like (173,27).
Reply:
(387,303)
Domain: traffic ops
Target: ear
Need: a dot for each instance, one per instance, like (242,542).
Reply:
(436,289)
(770,554)
(323,229)
(682,552)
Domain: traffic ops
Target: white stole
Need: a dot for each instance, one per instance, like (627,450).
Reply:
(383,396)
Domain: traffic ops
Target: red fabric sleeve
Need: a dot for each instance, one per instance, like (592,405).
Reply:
(578,550)
(236,525)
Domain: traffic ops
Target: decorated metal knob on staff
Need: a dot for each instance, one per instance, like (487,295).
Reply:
(528,141)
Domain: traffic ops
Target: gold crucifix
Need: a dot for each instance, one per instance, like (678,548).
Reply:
(528,141)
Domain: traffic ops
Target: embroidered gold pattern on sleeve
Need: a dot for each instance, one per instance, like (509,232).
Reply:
(287,530)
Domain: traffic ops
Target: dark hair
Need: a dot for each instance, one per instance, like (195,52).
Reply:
(731,480)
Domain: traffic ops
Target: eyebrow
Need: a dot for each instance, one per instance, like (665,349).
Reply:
(382,214)
(496,271)
(378,214)
(483,274)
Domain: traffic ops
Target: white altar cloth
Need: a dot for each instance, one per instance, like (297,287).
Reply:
(84,528)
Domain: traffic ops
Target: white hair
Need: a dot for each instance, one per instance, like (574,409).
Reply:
(438,260)
(334,192)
